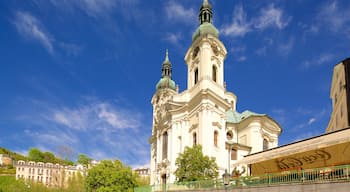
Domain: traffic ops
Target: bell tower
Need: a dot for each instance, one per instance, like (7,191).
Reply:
(205,57)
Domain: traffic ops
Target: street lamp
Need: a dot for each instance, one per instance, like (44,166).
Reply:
(226,179)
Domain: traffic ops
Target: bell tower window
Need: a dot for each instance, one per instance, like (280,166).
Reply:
(214,71)
(165,145)
(194,139)
(196,76)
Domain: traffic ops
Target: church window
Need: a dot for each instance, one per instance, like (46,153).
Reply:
(214,73)
(229,135)
(233,154)
(195,52)
(265,144)
(216,134)
(194,139)
(165,145)
(196,76)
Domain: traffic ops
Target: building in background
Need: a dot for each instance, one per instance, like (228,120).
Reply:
(340,95)
(143,172)
(52,175)
(5,160)
(205,113)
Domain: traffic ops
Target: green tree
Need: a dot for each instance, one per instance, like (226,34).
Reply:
(76,183)
(83,159)
(192,165)
(110,176)
(35,154)
(49,157)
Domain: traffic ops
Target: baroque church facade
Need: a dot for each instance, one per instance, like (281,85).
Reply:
(205,113)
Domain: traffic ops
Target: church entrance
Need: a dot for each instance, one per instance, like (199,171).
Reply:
(164,182)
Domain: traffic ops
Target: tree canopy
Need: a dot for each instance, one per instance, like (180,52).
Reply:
(192,165)
(83,159)
(34,154)
(108,176)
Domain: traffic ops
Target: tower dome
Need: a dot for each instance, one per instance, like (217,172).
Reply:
(206,22)
(166,81)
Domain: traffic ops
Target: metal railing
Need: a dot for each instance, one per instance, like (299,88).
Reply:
(319,175)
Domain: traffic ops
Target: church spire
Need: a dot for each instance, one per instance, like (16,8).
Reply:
(166,66)
(206,13)
(166,81)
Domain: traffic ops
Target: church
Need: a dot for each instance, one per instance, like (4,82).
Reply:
(205,113)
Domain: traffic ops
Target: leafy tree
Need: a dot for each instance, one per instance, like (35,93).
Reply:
(65,152)
(76,183)
(192,165)
(49,157)
(110,176)
(83,159)
(35,154)
(143,180)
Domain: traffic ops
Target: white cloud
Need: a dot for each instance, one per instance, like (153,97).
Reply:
(173,38)
(96,7)
(286,47)
(30,27)
(97,115)
(333,17)
(117,118)
(239,26)
(261,51)
(52,138)
(316,116)
(271,17)
(101,129)
(306,136)
(70,48)
(176,12)
(242,58)
(72,118)
(311,121)
(93,8)
(317,61)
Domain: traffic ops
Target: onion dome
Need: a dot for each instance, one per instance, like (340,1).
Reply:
(205,21)
(166,81)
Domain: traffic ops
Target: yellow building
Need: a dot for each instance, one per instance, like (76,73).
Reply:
(5,160)
(340,95)
(53,175)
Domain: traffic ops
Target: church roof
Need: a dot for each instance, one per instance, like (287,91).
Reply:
(235,117)
(204,29)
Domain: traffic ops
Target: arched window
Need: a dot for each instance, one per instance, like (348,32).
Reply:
(194,139)
(214,71)
(216,135)
(265,144)
(196,76)
(165,145)
(233,154)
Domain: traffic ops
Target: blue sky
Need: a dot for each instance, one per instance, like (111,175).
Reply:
(81,73)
